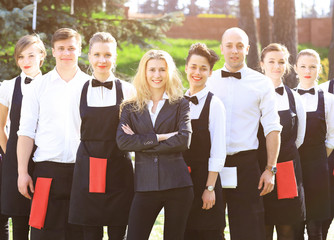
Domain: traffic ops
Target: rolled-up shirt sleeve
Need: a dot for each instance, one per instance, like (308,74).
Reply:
(269,115)
(329,115)
(6,91)
(29,113)
(217,128)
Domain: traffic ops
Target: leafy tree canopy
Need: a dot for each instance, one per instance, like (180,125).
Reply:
(89,16)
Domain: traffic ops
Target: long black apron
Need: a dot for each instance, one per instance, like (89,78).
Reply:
(285,211)
(314,164)
(98,139)
(197,159)
(12,202)
(331,160)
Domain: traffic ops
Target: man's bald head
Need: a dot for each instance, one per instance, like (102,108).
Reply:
(236,31)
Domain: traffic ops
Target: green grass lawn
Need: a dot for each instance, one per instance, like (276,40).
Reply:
(129,55)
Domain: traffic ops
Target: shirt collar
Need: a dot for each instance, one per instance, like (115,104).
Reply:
(56,76)
(111,78)
(315,87)
(165,96)
(201,94)
(242,70)
(150,102)
(23,76)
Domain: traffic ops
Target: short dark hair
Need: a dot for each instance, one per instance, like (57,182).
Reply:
(202,50)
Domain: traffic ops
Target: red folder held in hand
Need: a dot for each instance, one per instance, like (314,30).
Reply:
(286,180)
(97,175)
(40,202)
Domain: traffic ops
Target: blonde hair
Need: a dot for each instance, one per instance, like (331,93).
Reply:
(25,42)
(276,47)
(103,37)
(174,88)
(309,52)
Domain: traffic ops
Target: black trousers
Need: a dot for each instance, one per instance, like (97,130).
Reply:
(96,232)
(20,227)
(314,230)
(245,206)
(56,226)
(147,205)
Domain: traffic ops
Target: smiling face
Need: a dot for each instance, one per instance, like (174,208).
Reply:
(307,68)
(66,52)
(235,48)
(156,74)
(274,65)
(198,71)
(29,60)
(102,59)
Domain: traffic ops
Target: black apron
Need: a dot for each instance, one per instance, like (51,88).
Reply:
(314,164)
(12,202)
(98,139)
(331,160)
(285,211)
(197,159)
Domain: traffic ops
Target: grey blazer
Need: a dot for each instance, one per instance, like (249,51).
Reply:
(158,165)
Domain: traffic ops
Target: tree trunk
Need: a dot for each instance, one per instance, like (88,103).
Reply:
(285,32)
(331,51)
(265,24)
(247,22)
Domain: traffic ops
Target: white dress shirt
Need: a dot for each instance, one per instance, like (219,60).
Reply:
(104,97)
(50,115)
(7,90)
(324,86)
(247,101)
(283,104)
(160,105)
(217,127)
(310,103)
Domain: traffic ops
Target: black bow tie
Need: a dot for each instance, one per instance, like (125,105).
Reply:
(27,80)
(279,90)
(97,83)
(231,74)
(192,99)
(310,91)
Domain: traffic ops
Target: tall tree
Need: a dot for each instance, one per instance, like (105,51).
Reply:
(265,24)
(193,8)
(331,50)
(219,7)
(170,6)
(285,32)
(149,6)
(15,21)
(247,22)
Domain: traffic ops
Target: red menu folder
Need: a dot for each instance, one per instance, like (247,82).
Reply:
(40,202)
(286,180)
(97,175)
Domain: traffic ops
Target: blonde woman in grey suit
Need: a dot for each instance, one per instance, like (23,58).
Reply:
(156,126)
